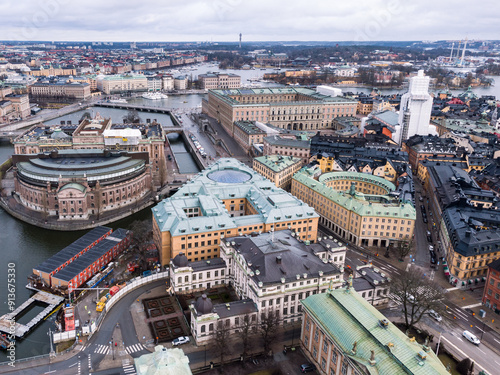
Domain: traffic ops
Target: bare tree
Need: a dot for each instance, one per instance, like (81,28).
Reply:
(220,342)
(163,171)
(143,233)
(403,248)
(417,295)
(245,331)
(132,117)
(268,329)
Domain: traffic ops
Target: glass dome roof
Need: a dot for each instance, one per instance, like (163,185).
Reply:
(229,176)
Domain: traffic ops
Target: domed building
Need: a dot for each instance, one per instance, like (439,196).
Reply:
(84,184)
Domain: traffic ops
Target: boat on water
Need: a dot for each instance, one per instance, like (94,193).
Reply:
(123,101)
(154,96)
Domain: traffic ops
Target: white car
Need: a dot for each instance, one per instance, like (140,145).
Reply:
(435,315)
(180,340)
(471,337)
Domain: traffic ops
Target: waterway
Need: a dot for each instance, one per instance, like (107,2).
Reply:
(184,160)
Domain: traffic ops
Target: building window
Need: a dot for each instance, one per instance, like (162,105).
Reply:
(344,368)
(325,347)
(316,335)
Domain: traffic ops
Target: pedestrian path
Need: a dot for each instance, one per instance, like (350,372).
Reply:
(102,349)
(135,348)
(129,369)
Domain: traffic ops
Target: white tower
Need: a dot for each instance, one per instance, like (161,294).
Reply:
(415,108)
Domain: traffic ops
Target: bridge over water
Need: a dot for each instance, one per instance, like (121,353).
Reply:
(143,108)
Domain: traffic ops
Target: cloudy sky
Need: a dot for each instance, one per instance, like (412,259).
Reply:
(257,20)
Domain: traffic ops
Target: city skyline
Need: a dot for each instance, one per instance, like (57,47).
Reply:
(223,20)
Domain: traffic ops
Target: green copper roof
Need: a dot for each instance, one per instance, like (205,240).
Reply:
(361,204)
(277,163)
(314,96)
(358,176)
(271,203)
(348,318)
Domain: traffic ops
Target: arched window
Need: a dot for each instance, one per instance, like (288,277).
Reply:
(211,327)
(179,280)
(186,279)
(203,329)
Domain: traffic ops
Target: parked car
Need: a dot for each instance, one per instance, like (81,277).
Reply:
(471,337)
(180,340)
(424,219)
(307,367)
(435,315)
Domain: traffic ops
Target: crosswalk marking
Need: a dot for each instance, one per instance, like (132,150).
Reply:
(129,369)
(134,348)
(102,349)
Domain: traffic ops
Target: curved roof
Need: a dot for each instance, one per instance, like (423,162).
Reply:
(74,185)
(203,305)
(180,260)
(358,176)
(90,166)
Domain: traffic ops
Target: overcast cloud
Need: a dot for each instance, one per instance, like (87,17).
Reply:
(257,20)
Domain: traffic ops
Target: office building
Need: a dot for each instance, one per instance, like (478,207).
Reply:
(270,272)
(415,109)
(277,169)
(358,207)
(225,200)
(60,90)
(118,83)
(210,81)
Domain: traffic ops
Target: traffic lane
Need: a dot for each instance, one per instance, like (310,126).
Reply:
(421,256)
(483,357)
(470,322)
(117,314)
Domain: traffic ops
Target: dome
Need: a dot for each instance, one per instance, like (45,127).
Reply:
(180,260)
(203,305)
(229,176)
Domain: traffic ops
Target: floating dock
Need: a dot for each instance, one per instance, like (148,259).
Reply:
(51,300)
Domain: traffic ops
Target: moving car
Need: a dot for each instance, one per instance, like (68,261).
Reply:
(307,367)
(180,340)
(429,236)
(471,337)
(435,315)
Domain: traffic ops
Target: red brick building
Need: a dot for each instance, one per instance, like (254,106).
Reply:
(491,293)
